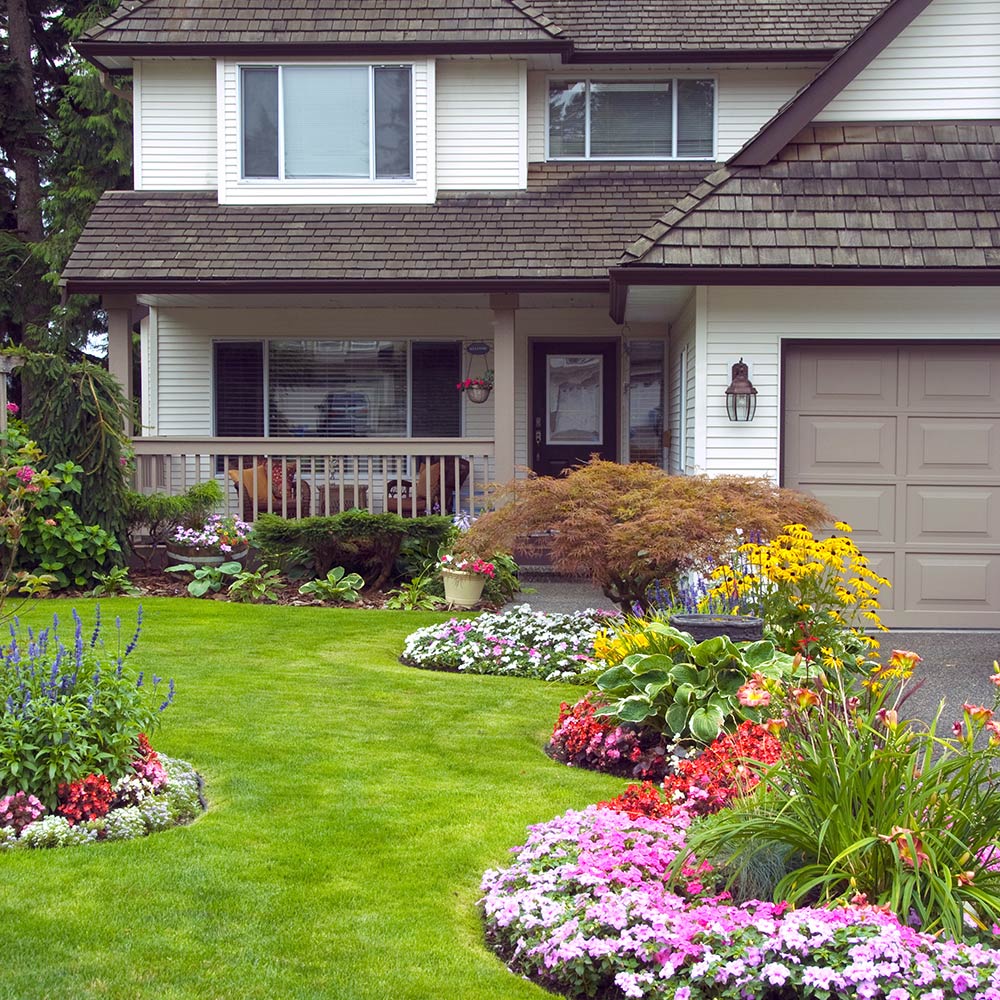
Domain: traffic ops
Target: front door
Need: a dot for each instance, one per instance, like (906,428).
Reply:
(574,403)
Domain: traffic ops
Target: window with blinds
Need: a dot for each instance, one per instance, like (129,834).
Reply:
(631,119)
(337,388)
(326,121)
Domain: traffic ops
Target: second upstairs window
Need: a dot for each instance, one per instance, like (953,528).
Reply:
(631,119)
(340,122)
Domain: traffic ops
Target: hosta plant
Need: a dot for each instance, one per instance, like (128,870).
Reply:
(338,585)
(689,690)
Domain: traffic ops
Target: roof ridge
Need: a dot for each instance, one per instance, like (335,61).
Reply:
(123,10)
(538,16)
(676,213)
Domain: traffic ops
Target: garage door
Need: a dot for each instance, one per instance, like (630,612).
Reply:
(903,443)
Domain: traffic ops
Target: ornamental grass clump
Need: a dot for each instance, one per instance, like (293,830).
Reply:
(72,709)
(870,806)
(816,596)
(517,643)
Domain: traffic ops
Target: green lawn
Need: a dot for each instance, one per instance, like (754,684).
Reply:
(354,804)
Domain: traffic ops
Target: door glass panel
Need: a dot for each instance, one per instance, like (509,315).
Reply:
(574,399)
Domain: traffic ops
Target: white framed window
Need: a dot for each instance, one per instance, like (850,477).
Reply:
(669,118)
(350,122)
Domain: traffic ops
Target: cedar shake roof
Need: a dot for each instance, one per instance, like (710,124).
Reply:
(896,196)
(591,26)
(333,22)
(628,25)
(570,223)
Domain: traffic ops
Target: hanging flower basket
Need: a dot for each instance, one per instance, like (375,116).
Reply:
(478,393)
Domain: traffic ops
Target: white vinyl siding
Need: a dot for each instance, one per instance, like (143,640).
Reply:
(480,125)
(176,133)
(680,391)
(752,322)
(945,64)
(329,191)
(745,99)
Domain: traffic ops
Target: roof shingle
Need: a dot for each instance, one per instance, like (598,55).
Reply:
(846,196)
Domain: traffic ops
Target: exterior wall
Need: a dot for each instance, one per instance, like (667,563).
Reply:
(945,64)
(747,98)
(752,322)
(234,191)
(175,132)
(680,391)
(481,137)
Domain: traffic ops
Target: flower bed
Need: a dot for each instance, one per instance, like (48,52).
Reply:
(588,908)
(518,643)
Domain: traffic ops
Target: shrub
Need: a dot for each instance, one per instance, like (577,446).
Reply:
(872,805)
(626,526)
(816,596)
(519,642)
(690,691)
(364,543)
(68,711)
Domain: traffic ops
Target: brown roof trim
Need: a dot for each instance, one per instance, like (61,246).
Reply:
(761,55)
(93,51)
(829,82)
(622,277)
(238,286)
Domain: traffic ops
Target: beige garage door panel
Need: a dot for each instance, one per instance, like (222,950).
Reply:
(903,442)
(962,447)
(845,447)
(869,510)
(968,515)
(953,583)
(844,379)
(938,380)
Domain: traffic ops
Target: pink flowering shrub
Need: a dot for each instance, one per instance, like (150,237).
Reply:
(588,908)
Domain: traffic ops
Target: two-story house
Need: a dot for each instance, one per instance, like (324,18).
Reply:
(344,208)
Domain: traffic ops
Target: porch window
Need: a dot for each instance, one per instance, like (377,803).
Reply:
(341,121)
(634,119)
(337,388)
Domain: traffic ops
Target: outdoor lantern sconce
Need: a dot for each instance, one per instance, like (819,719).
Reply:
(741,396)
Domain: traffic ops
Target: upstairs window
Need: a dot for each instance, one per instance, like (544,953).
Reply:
(632,119)
(340,122)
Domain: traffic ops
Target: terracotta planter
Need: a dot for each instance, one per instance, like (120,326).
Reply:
(203,557)
(461,589)
(478,393)
(739,628)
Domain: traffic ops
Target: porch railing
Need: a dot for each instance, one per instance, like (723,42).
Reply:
(295,476)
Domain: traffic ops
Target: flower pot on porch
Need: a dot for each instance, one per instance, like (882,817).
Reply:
(478,393)
(461,589)
(202,557)
(739,628)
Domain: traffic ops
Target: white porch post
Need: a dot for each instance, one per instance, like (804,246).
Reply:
(119,311)
(504,308)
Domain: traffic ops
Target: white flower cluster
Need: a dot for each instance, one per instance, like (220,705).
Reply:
(519,643)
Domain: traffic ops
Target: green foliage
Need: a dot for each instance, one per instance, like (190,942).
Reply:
(78,415)
(158,515)
(255,586)
(866,804)
(688,691)
(338,585)
(69,710)
(627,526)
(364,543)
(207,579)
(114,583)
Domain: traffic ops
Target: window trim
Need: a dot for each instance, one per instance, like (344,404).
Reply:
(283,181)
(588,78)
